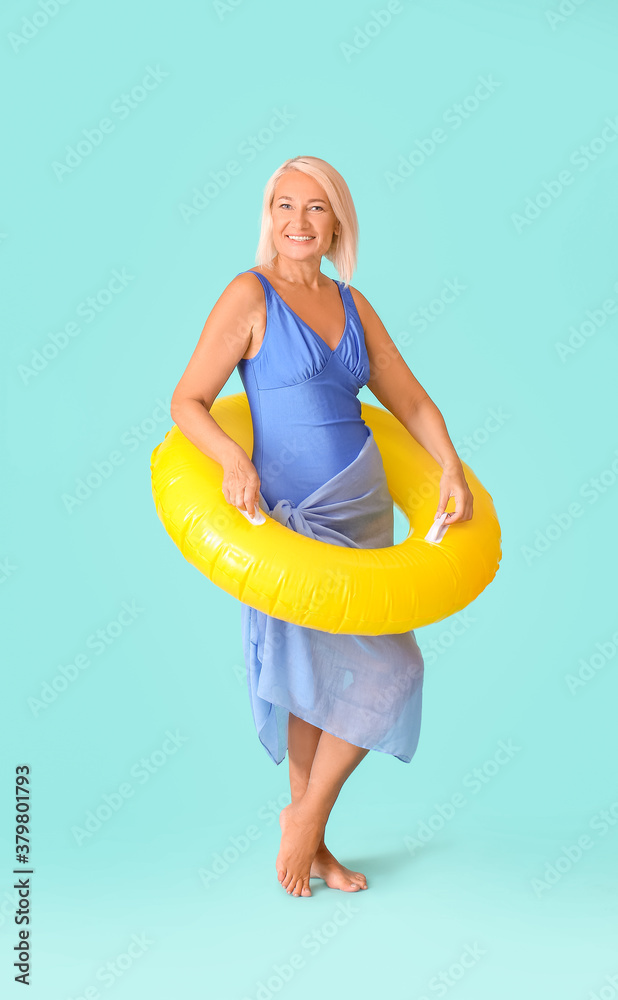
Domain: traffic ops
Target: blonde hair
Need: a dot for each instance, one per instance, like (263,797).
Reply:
(344,247)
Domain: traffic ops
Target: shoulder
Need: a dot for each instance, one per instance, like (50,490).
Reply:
(249,280)
(376,334)
(245,290)
(363,306)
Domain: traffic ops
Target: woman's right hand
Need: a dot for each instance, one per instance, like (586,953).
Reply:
(241,483)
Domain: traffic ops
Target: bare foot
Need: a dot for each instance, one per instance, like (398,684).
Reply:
(336,876)
(300,836)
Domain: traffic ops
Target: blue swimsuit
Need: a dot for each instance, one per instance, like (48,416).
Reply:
(321,474)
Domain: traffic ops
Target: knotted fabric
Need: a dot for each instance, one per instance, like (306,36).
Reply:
(366,690)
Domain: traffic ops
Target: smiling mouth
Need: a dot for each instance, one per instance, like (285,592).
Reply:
(299,239)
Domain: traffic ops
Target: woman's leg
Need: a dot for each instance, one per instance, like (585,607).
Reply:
(303,822)
(303,739)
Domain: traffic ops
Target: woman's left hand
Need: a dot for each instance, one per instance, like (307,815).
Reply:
(453,484)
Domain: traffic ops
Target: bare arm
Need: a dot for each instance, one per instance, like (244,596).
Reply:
(394,385)
(223,341)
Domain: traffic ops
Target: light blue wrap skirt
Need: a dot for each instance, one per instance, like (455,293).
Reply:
(366,690)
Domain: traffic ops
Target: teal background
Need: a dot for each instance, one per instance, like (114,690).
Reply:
(483,878)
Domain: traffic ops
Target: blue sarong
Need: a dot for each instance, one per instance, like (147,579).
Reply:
(366,690)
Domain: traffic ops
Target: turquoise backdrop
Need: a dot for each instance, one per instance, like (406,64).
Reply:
(480,144)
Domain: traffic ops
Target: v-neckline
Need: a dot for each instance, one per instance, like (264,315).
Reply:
(333,350)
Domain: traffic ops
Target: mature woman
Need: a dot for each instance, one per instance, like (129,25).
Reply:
(304,344)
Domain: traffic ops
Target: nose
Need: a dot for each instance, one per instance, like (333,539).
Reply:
(299,219)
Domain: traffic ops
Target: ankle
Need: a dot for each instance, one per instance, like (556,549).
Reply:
(312,813)
(297,791)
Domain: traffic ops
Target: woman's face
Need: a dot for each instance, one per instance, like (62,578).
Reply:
(300,208)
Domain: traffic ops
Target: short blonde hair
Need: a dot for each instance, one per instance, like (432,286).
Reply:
(344,247)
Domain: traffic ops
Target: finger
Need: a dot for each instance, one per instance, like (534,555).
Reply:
(455,515)
(445,496)
(468,508)
(463,507)
(249,501)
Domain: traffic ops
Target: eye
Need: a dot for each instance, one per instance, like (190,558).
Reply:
(286,204)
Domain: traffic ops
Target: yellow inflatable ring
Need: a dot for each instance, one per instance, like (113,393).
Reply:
(290,576)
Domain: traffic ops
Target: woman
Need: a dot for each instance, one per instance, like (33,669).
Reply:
(325,698)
